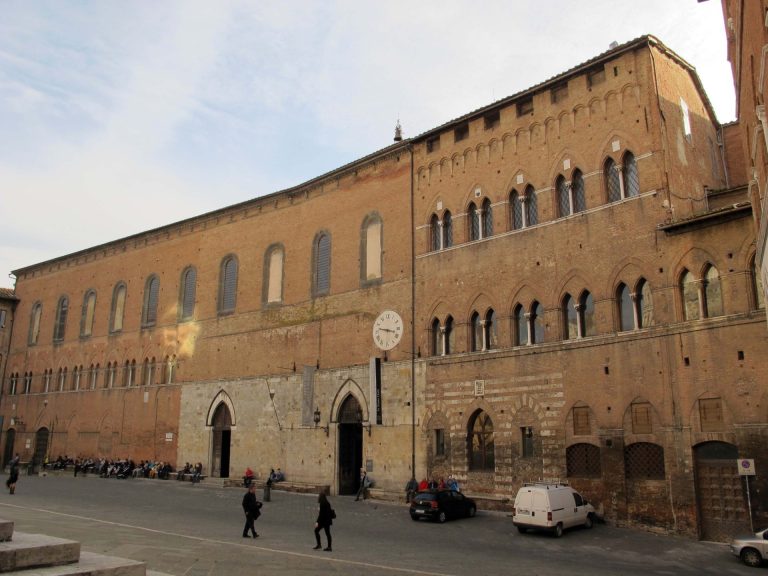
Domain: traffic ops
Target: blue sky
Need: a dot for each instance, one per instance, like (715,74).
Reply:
(118,117)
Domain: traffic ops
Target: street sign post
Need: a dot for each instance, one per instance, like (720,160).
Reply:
(747,468)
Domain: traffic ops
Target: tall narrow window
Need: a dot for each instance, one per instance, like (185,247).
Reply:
(117,311)
(59,327)
(151,294)
(447,230)
(570,318)
(474,222)
(517,210)
(577,190)
(370,249)
(273,277)
(487,219)
(563,189)
(89,310)
(93,375)
(77,373)
(690,296)
(587,314)
(448,339)
(436,338)
(228,285)
(34,323)
(477,332)
(28,383)
(612,180)
(713,295)
(631,179)
(537,323)
(643,304)
(490,331)
(626,310)
(758,298)
(62,379)
(531,209)
(187,294)
(581,425)
(435,234)
(321,272)
(480,442)
(521,326)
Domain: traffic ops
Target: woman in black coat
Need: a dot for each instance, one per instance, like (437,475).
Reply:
(324,520)
(13,477)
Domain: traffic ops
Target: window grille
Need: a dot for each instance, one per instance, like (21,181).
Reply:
(531,207)
(228,285)
(626,310)
(151,293)
(517,210)
(188,292)
(434,233)
(447,230)
(563,197)
(474,222)
(642,422)
(644,461)
(612,180)
(711,414)
(631,179)
(583,461)
(577,188)
(581,424)
(487,218)
(521,326)
(537,323)
(526,442)
(322,265)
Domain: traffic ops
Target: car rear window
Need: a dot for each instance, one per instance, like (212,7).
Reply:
(426,497)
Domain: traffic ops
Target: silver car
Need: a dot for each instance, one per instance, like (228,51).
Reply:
(751,549)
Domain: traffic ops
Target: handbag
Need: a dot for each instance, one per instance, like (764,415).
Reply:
(333,514)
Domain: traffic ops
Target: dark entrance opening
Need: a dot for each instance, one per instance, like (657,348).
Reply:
(41,449)
(350,445)
(222,435)
(10,440)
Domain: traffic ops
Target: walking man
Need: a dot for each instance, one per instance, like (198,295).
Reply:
(364,483)
(251,507)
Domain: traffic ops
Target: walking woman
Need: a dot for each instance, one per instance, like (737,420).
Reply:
(13,476)
(324,520)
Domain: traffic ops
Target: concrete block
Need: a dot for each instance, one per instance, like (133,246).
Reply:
(90,564)
(6,530)
(33,550)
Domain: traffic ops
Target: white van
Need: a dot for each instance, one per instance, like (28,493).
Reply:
(552,507)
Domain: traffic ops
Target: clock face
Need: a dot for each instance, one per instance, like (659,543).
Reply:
(387,330)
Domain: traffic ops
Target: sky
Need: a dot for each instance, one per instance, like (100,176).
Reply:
(120,117)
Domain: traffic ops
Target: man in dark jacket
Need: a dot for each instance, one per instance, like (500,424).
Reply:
(251,507)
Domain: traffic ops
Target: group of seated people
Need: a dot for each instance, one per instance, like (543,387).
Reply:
(412,487)
(123,468)
(196,471)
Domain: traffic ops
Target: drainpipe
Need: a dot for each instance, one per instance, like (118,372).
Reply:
(413,321)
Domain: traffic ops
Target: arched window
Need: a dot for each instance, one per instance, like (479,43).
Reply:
(563,189)
(631,180)
(187,294)
(531,209)
(228,285)
(94,375)
(487,228)
(34,323)
(59,327)
(490,331)
(435,234)
(756,283)
(447,230)
(570,318)
(448,337)
(587,314)
(521,326)
(480,442)
(272,285)
(151,295)
(516,201)
(117,311)
(626,309)
(321,268)
(370,250)
(612,180)
(474,222)
(62,379)
(713,295)
(148,372)
(577,191)
(87,316)
(537,323)
(690,296)
(77,374)
(436,338)
(643,304)
(477,333)
(28,383)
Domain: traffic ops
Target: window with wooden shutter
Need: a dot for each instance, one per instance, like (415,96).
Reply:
(118,308)
(711,414)
(322,271)
(228,286)
(188,292)
(531,207)
(151,294)
(61,319)
(275,277)
(89,310)
(34,323)
(581,425)
(641,418)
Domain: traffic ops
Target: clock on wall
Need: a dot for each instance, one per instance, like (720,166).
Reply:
(387,330)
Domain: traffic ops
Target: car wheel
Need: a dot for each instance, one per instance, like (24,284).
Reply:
(558,531)
(472,511)
(521,529)
(414,518)
(751,557)
(589,522)
(441,517)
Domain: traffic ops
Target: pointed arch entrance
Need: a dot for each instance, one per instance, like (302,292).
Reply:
(350,445)
(222,436)
(41,447)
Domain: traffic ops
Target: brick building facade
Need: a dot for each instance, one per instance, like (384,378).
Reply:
(574,271)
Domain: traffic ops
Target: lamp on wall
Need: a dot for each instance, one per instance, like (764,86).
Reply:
(316,418)
(363,424)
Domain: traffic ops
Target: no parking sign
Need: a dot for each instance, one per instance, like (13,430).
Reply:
(746,466)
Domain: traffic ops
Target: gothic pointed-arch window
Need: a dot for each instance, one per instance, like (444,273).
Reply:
(570,318)
(60,325)
(517,210)
(713,295)
(447,230)
(436,338)
(187,294)
(151,295)
(321,265)
(228,285)
(480,442)
(477,332)
(631,180)
(490,331)
(117,310)
(435,234)
(448,340)
(34,323)
(690,296)
(521,326)
(531,209)
(587,314)
(537,323)
(487,219)
(626,309)
(577,191)
(612,180)
(272,284)
(88,314)
(643,303)
(756,285)
(474,222)
(563,196)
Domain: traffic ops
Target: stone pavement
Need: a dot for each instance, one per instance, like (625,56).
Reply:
(185,529)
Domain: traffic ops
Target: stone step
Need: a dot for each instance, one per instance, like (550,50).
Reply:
(32,550)
(6,530)
(90,564)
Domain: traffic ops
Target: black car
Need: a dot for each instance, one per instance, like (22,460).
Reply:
(442,504)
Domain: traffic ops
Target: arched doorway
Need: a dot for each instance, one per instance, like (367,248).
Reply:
(10,440)
(350,445)
(41,448)
(222,434)
(719,492)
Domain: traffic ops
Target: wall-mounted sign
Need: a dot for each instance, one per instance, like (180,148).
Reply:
(746,466)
